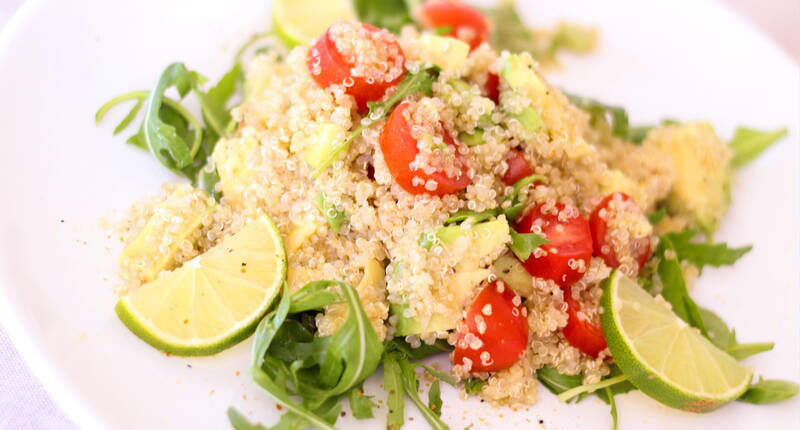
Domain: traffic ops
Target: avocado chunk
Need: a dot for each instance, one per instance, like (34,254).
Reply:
(509,270)
(518,73)
(472,139)
(326,146)
(447,53)
(702,162)
(529,119)
(459,286)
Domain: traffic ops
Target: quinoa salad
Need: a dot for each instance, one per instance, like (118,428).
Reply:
(402,181)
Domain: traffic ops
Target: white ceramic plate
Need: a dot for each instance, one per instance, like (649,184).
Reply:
(59,173)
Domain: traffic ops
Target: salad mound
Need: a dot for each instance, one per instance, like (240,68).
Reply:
(433,193)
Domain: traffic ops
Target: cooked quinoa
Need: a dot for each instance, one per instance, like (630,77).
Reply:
(263,171)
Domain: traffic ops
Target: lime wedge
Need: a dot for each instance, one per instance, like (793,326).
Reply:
(298,22)
(213,301)
(663,356)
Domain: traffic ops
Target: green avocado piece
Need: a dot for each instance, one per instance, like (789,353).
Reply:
(519,75)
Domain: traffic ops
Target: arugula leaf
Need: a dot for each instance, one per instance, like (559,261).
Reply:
(556,382)
(725,338)
(360,404)
(443,30)
(610,395)
(523,244)
(703,254)
(435,398)
(282,397)
(674,291)
(354,346)
(572,37)
(214,103)
(657,216)
(314,296)
(510,33)
(767,391)
(618,388)
(519,200)
(162,138)
(615,116)
(239,422)
(410,386)
(174,136)
(268,328)
(747,144)
(289,360)
(420,82)
(423,351)
(393,384)
(473,216)
(740,351)
(389,14)
(333,216)
(474,386)
(438,374)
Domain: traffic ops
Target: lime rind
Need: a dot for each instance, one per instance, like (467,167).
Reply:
(298,22)
(145,328)
(653,379)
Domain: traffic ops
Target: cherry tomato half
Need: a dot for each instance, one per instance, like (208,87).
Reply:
(518,167)
(466,23)
(492,87)
(494,335)
(400,150)
(566,257)
(580,333)
(621,233)
(366,76)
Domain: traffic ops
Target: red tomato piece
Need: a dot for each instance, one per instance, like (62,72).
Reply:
(494,335)
(518,167)
(366,77)
(492,87)
(617,213)
(580,333)
(466,23)
(566,258)
(400,150)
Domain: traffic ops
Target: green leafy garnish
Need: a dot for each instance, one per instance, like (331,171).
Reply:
(610,395)
(674,285)
(523,244)
(767,391)
(239,422)
(420,82)
(473,216)
(290,362)
(411,387)
(510,33)
(557,382)
(474,386)
(725,338)
(518,199)
(747,144)
(332,215)
(704,254)
(657,216)
(389,14)
(360,404)
(170,132)
(573,38)
(435,398)
(393,384)
(443,30)
(615,116)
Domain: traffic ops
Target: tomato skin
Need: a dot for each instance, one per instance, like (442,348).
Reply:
(458,16)
(518,167)
(599,228)
(582,334)
(334,69)
(399,150)
(492,87)
(572,241)
(505,337)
